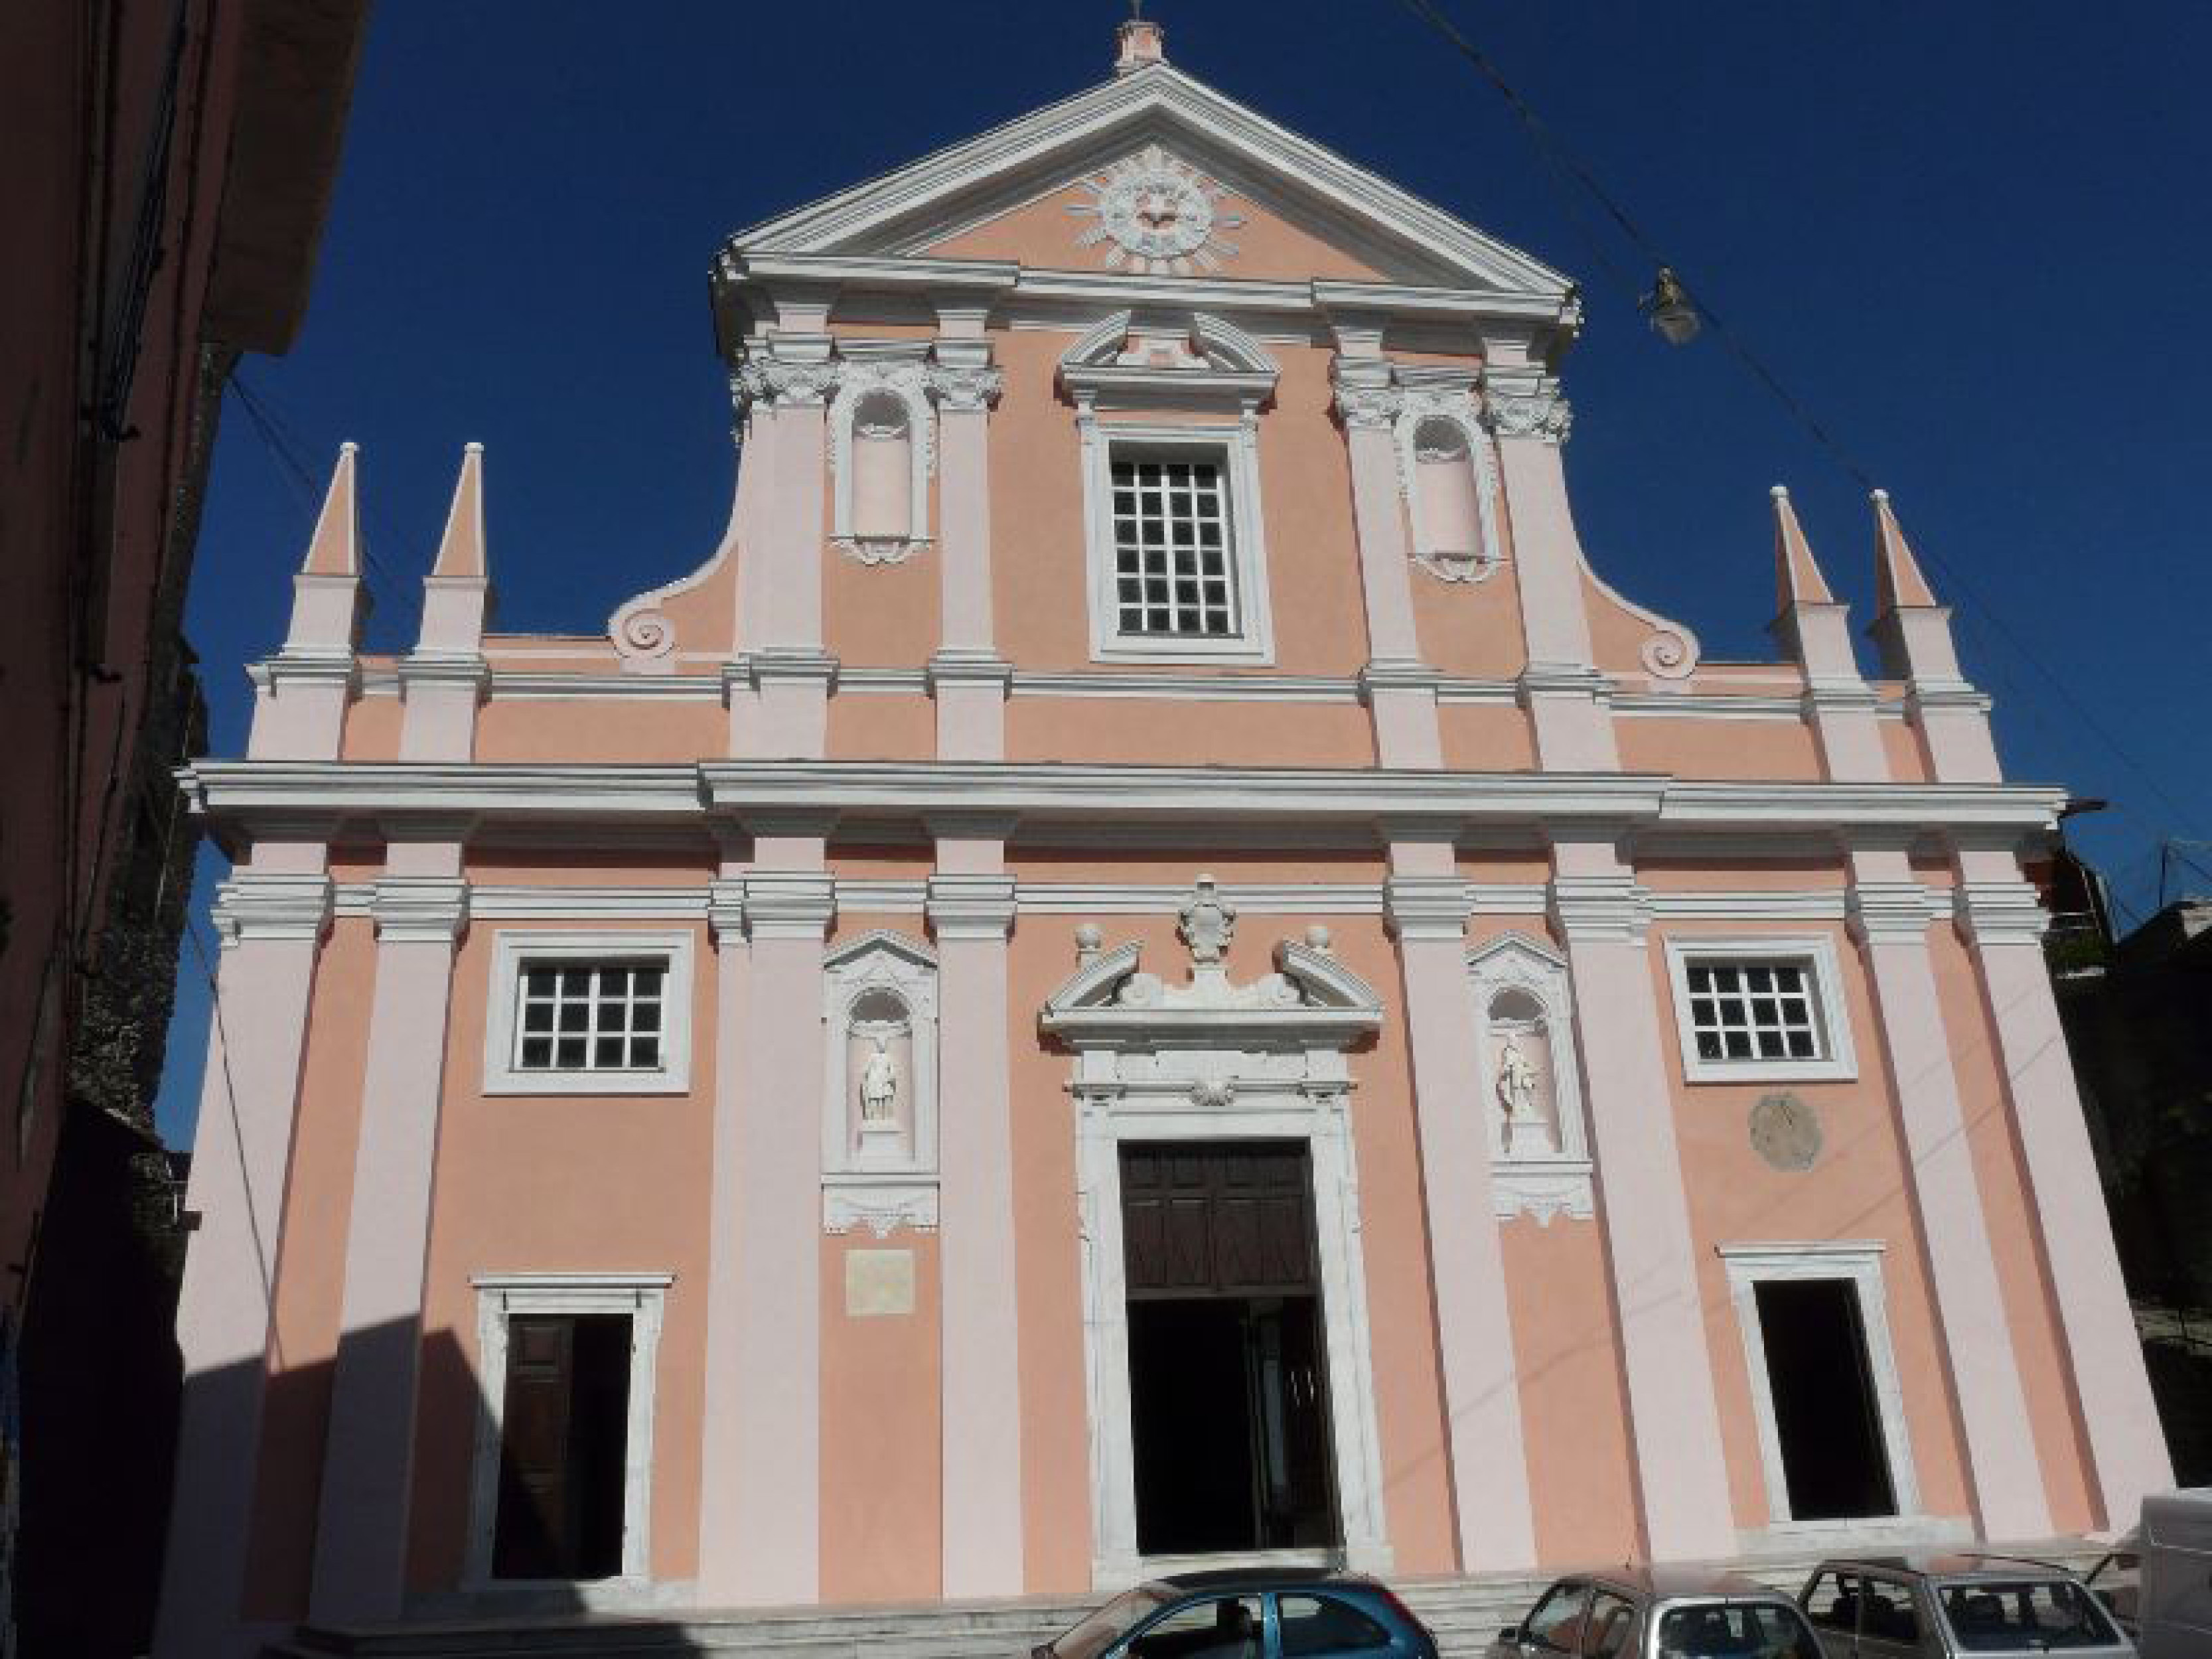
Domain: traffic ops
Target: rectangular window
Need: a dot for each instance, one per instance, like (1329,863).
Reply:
(1754,1010)
(591,1015)
(597,1012)
(1760,1008)
(1172,572)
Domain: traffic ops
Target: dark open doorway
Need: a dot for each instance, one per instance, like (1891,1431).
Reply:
(1228,1388)
(1826,1414)
(564,1443)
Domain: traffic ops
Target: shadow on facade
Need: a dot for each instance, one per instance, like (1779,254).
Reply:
(278,1559)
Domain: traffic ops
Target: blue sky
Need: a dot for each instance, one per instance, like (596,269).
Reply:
(1971,239)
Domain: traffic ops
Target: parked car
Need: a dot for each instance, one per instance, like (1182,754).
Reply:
(1257,1613)
(2175,1604)
(1660,1613)
(1936,1606)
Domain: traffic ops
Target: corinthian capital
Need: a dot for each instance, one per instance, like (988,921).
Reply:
(1527,406)
(1369,405)
(776,382)
(962,387)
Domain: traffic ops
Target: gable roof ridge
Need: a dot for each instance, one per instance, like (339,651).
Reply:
(835,221)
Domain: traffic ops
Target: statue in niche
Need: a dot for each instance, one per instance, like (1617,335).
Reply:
(879,1082)
(1516,1081)
(1207,922)
(1520,1065)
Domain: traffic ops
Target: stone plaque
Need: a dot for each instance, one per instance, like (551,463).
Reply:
(878,1282)
(1785,1130)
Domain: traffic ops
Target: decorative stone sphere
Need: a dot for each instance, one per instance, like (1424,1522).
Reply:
(1088,936)
(1317,937)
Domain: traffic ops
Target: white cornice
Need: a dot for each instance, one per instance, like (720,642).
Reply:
(922,202)
(1046,792)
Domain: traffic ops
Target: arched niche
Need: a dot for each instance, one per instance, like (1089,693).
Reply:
(880,1101)
(1531,1095)
(882,451)
(1449,473)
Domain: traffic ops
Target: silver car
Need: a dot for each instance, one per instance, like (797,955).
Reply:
(1660,1613)
(1936,1605)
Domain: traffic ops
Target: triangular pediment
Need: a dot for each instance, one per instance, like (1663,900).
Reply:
(1032,191)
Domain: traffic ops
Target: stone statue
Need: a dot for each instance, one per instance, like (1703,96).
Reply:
(1517,1080)
(879,1082)
(1207,922)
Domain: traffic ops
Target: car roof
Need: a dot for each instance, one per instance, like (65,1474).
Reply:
(1257,1579)
(1662,1583)
(1953,1563)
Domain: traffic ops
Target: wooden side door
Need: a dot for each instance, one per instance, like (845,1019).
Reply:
(535,1533)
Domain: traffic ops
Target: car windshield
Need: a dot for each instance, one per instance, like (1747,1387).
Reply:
(1107,1625)
(1736,1630)
(2026,1615)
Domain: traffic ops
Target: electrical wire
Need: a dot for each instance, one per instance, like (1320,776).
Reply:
(383,581)
(1566,166)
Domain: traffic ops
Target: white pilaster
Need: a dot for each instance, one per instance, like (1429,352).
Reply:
(780,693)
(420,908)
(272,917)
(1673,1417)
(968,678)
(2002,917)
(1491,1504)
(971,910)
(761,1500)
(1561,686)
(1889,917)
(1400,688)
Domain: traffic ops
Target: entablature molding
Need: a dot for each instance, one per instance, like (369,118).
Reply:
(241,798)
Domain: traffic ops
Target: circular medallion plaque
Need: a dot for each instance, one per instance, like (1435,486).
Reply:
(1785,1130)
(1158,216)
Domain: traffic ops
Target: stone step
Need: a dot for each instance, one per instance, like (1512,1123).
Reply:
(1465,1614)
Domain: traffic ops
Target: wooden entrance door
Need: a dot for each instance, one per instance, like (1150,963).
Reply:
(563,1433)
(1228,1375)
(1216,1218)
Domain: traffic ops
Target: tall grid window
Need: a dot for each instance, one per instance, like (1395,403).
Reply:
(1752,1009)
(1171,554)
(591,1015)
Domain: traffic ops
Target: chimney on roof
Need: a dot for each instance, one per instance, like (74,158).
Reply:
(1142,42)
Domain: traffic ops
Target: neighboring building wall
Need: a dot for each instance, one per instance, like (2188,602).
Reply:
(169,165)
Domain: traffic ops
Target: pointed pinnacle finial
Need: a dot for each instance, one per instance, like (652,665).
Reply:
(335,548)
(1797,577)
(1142,42)
(461,550)
(1897,572)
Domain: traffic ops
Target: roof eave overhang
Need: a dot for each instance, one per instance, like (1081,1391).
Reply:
(250,800)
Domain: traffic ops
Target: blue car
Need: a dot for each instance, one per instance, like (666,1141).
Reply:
(1256,1613)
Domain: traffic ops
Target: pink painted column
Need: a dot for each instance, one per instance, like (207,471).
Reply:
(971,911)
(1673,1416)
(2002,917)
(421,905)
(272,917)
(761,1497)
(1427,907)
(788,673)
(1889,917)
(1561,685)
(1399,688)
(967,677)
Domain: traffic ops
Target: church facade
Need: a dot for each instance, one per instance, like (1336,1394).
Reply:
(1146,963)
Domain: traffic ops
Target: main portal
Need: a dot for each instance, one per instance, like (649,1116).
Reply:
(1228,1379)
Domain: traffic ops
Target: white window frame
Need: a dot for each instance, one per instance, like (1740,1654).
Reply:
(1858,1261)
(513,947)
(1235,446)
(500,1297)
(1818,952)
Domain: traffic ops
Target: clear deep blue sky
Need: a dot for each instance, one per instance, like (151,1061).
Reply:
(1972,239)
